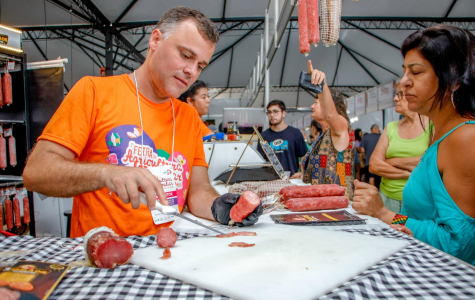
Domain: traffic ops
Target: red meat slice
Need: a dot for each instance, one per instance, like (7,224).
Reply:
(240,244)
(166,254)
(166,237)
(107,250)
(246,233)
(231,234)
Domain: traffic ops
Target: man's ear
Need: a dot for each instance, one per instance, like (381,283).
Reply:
(189,101)
(284,113)
(155,38)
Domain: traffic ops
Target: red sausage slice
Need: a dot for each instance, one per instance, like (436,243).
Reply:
(240,244)
(246,233)
(166,237)
(231,234)
(166,254)
(106,249)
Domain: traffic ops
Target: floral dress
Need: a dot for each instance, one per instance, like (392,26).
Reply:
(323,164)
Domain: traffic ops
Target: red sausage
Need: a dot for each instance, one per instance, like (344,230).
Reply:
(166,254)
(107,250)
(231,234)
(244,206)
(240,244)
(16,209)
(319,190)
(166,237)
(1,93)
(303,27)
(317,203)
(12,151)
(9,213)
(26,210)
(313,30)
(7,89)
(3,153)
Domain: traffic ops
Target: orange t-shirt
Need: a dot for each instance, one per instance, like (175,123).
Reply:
(205,130)
(99,121)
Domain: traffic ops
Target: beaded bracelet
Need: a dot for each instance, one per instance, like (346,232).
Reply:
(399,219)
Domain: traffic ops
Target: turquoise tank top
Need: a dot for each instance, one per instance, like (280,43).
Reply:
(434,218)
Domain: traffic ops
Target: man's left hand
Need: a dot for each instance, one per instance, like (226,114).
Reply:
(222,206)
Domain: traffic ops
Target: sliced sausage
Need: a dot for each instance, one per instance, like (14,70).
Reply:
(303,27)
(3,153)
(26,210)
(12,151)
(240,244)
(313,22)
(319,190)
(166,237)
(106,249)
(317,203)
(166,254)
(7,89)
(231,234)
(9,213)
(246,233)
(16,209)
(244,206)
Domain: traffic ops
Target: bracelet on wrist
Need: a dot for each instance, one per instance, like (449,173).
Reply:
(399,219)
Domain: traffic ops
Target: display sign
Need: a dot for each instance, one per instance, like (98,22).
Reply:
(350,106)
(360,103)
(385,95)
(10,38)
(372,100)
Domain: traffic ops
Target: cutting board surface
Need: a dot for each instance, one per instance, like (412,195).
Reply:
(287,262)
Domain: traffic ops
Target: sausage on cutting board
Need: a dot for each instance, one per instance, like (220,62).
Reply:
(317,203)
(244,206)
(318,190)
(166,237)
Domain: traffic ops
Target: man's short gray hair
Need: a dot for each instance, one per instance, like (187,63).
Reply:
(374,126)
(178,14)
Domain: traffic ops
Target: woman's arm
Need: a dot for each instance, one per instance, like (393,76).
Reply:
(405,163)
(378,164)
(337,123)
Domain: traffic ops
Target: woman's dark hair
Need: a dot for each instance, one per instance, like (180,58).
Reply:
(451,53)
(192,90)
(316,125)
(339,101)
(358,134)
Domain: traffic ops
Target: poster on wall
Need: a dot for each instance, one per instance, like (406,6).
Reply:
(385,95)
(350,106)
(360,104)
(372,100)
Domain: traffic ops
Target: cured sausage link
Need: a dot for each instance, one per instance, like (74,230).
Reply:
(7,89)
(317,203)
(16,209)
(319,190)
(303,27)
(1,93)
(244,206)
(12,151)
(9,213)
(313,22)
(3,153)
(26,210)
(107,250)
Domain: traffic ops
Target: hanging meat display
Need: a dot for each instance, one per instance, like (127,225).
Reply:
(7,89)
(330,21)
(313,22)
(3,152)
(303,28)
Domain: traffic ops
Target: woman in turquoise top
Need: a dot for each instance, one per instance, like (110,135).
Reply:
(439,202)
(398,151)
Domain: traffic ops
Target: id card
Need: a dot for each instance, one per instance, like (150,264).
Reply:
(165,175)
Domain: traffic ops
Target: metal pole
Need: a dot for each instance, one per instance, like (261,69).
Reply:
(109,53)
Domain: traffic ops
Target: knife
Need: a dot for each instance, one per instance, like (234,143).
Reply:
(169,210)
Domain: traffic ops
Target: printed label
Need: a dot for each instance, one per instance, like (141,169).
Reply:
(167,179)
(7,132)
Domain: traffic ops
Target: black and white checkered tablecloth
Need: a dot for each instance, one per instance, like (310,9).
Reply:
(416,272)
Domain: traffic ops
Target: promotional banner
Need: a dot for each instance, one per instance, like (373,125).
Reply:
(360,103)
(350,106)
(385,95)
(372,100)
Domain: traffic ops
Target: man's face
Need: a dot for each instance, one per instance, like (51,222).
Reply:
(375,130)
(275,115)
(201,101)
(177,61)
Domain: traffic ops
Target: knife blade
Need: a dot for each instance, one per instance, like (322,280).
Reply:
(169,210)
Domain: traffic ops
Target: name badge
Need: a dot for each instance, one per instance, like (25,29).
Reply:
(165,175)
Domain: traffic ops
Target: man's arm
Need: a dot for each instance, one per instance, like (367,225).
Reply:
(52,171)
(405,163)
(201,194)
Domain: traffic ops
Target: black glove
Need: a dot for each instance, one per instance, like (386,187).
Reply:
(222,206)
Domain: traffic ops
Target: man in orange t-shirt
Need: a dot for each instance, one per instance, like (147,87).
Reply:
(107,131)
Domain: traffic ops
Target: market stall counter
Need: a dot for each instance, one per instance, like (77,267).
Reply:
(415,270)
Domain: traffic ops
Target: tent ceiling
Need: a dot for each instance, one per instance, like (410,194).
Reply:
(365,56)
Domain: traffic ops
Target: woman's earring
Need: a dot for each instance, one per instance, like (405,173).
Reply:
(452,98)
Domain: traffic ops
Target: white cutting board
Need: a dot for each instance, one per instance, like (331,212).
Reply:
(287,262)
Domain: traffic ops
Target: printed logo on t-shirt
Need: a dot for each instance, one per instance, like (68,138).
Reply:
(129,146)
(279,145)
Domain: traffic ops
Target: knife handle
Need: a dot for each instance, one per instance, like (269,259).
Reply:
(165,209)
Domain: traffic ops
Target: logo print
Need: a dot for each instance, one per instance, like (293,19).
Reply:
(133,135)
(115,140)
